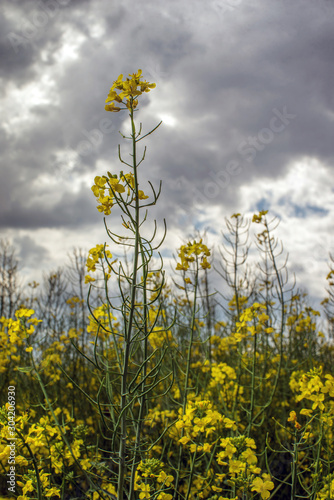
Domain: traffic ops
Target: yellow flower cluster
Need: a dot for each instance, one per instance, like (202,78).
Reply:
(107,486)
(190,252)
(30,486)
(257,218)
(223,383)
(293,419)
(201,420)
(151,478)
(220,345)
(233,445)
(303,321)
(20,423)
(96,255)
(44,441)
(102,322)
(252,321)
(235,302)
(20,328)
(327,492)
(239,457)
(312,387)
(105,189)
(13,332)
(221,373)
(157,417)
(130,89)
(112,185)
(159,337)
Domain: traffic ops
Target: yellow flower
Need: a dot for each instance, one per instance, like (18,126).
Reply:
(317,401)
(145,491)
(258,217)
(236,466)
(292,416)
(249,456)
(187,252)
(53,492)
(28,487)
(24,313)
(250,443)
(164,478)
(262,487)
(94,256)
(207,447)
(184,440)
(205,264)
(142,195)
(130,88)
(329,386)
(112,107)
(115,186)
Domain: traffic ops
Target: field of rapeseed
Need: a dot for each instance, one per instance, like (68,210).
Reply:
(164,390)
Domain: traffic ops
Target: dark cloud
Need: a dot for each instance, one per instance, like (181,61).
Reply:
(224,72)
(71,211)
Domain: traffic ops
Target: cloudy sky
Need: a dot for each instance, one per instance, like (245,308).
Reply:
(245,91)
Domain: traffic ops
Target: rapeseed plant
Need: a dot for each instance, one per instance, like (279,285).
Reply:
(151,395)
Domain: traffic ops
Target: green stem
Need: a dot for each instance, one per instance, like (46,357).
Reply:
(293,469)
(185,395)
(122,446)
(142,388)
(252,401)
(191,475)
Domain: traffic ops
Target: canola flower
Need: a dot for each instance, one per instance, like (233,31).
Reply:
(189,252)
(130,90)
(313,387)
(96,256)
(108,189)
(263,487)
(257,218)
